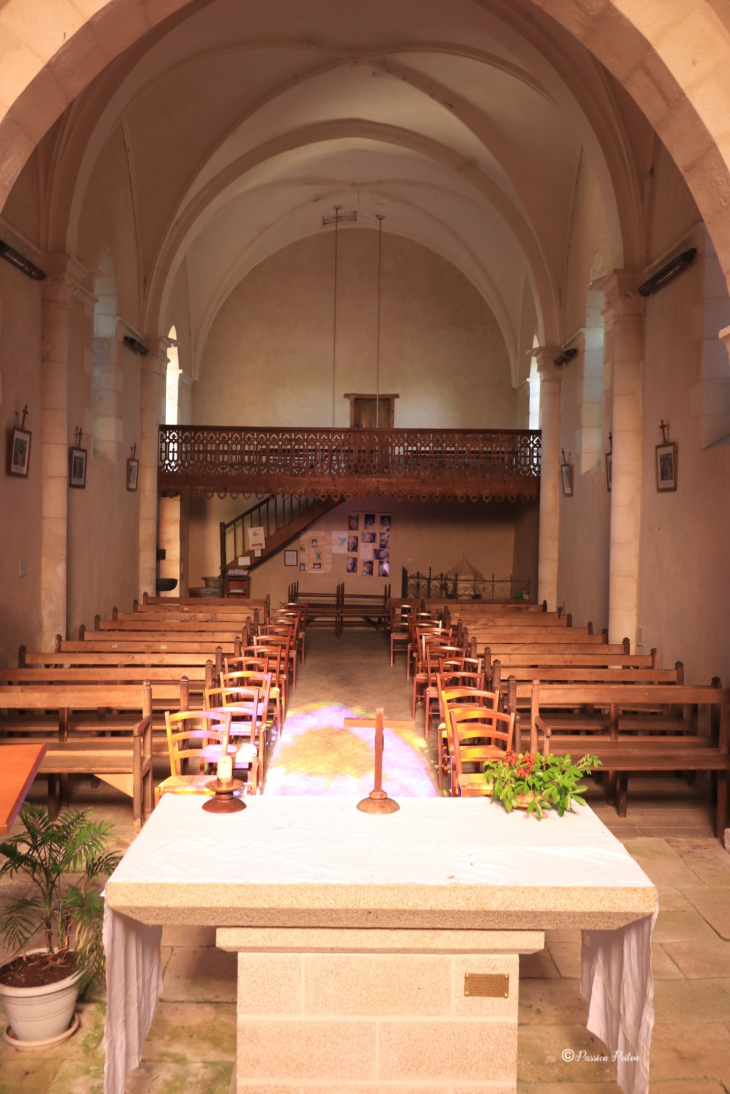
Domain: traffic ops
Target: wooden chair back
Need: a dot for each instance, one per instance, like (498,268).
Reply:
(248,678)
(189,732)
(478,734)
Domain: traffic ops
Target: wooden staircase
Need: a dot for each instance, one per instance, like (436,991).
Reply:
(283,518)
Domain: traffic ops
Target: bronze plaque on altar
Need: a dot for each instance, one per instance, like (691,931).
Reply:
(487,984)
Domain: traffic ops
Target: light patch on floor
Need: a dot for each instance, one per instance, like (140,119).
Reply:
(317,755)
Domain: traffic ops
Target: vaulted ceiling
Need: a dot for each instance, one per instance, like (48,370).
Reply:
(460,122)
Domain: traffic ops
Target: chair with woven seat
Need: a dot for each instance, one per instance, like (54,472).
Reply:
(281,635)
(248,728)
(476,734)
(421,678)
(256,678)
(188,734)
(458,689)
(441,659)
(399,629)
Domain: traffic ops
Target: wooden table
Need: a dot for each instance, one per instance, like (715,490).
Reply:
(20,764)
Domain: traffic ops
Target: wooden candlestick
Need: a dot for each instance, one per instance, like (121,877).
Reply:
(378,801)
(224,800)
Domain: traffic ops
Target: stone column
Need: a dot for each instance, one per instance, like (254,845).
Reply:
(152,387)
(547,586)
(57,291)
(624,314)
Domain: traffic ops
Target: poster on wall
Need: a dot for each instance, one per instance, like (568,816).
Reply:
(315,553)
(368,544)
(339,543)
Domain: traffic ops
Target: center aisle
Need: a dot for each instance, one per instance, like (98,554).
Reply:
(348,678)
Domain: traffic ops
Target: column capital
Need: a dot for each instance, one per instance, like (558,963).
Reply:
(545,357)
(724,336)
(156,359)
(65,276)
(622,298)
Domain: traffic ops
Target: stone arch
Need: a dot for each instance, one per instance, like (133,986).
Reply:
(668,54)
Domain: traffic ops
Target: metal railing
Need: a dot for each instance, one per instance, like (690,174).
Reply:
(454,586)
(401,463)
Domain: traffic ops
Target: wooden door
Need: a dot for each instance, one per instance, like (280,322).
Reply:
(363,411)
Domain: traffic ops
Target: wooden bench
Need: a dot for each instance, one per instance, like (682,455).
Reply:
(599,657)
(168,685)
(524,676)
(148,645)
(137,625)
(124,761)
(181,659)
(648,728)
(195,603)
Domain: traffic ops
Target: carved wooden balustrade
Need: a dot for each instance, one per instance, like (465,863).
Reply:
(400,463)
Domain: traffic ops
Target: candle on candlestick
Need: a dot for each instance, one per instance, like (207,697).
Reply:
(225,769)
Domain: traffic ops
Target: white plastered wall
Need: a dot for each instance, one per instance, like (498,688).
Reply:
(268,358)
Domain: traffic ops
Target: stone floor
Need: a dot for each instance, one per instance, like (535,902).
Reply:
(668,830)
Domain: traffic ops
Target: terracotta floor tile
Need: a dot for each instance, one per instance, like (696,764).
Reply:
(692,1001)
(540,1055)
(700,962)
(204,974)
(683,924)
(26,1073)
(714,906)
(678,1055)
(567,957)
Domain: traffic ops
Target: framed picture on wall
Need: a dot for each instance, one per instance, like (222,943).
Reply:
(19,452)
(132,474)
(566,477)
(291,558)
(666,466)
(77,467)
(609,470)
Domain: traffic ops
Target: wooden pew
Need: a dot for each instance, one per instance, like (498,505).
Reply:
(184,692)
(137,625)
(552,674)
(549,636)
(124,761)
(648,730)
(180,659)
(149,645)
(598,657)
(206,603)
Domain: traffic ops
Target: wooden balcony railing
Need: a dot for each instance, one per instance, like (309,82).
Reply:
(400,463)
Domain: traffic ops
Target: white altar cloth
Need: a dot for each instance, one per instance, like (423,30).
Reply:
(451,863)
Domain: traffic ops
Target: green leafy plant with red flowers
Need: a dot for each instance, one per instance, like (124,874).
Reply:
(536,782)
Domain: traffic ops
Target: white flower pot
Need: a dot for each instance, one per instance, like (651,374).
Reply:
(40,1013)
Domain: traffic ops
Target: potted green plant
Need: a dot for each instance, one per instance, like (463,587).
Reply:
(63,860)
(531,781)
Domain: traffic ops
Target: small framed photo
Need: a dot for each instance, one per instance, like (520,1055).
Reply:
(77,467)
(291,558)
(19,452)
(666,466)
(132,474)
(353,521)
(566,477)
(351,565)
(609,470)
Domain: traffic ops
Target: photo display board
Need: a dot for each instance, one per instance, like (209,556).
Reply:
(315,553)
(368,544)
